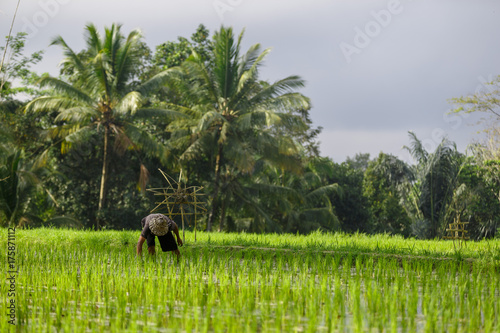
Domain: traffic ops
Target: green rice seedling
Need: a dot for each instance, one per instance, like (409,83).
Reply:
(94,282)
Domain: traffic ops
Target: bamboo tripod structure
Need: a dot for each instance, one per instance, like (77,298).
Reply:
(457,232)
(177,198)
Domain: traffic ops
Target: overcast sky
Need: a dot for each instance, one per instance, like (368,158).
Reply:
(374,69)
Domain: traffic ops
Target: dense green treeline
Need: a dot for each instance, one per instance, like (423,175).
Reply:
(81,149)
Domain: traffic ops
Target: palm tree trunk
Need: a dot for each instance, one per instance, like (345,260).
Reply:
(433,225)
(222,214)
(216,188)
(104,179)
(13,217)
(12,210)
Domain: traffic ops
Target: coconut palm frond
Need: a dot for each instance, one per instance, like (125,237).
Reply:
(126,57)
(129,103)
(249,65)
(287,102)
(104,77)
(416,148)
(225,69)
(191,112)
(143,140)
(149,113)
(75,134)
(93,39)
(276,191)
(195,148)
(50,103)
(205,87)
(324,192)
(71,57)
(79,115)
(242,156)
(157,81)
(210,119)
(62,88)
(283,86)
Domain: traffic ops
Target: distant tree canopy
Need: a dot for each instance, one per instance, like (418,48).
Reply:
(171,54)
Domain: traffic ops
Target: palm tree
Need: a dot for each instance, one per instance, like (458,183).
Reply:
(302,202)
(18,180)
(232,115)
(10,203)
(436,179)
(100,94)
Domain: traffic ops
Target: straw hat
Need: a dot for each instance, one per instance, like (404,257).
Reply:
(159,225)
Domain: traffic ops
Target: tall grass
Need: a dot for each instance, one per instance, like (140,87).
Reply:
(93,281)
(487,251)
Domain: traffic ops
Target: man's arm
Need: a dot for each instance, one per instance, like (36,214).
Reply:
(175,229)
(139,245)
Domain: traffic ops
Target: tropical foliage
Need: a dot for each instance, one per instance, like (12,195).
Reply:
(383,184)
(80,149)
(100,95)
(232,115)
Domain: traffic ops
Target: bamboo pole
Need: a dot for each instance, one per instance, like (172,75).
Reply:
(175,197)
(195,219)
(8,40)
(182,217)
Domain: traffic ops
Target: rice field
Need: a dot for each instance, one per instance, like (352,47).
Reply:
(84,281)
